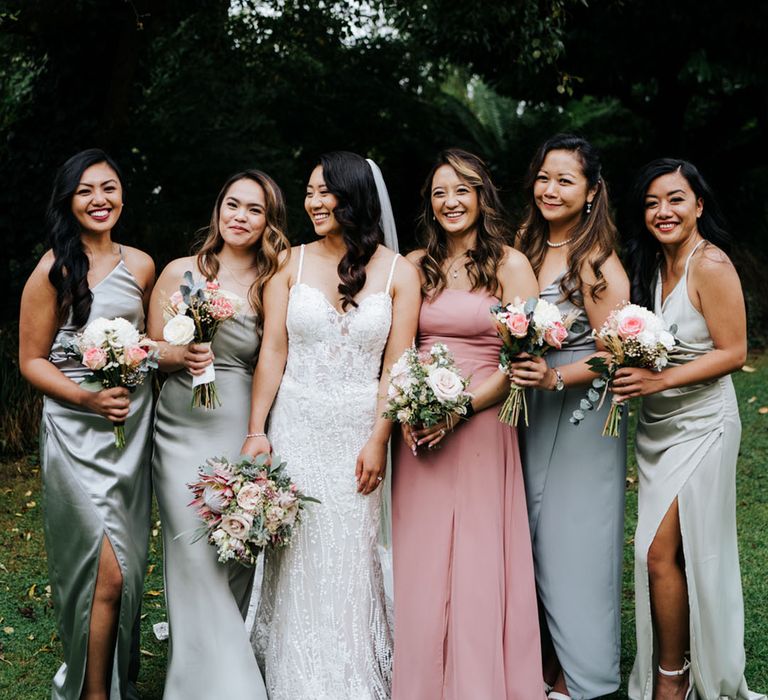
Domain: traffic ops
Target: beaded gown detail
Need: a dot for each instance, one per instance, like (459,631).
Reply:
(92,489)
(322,631)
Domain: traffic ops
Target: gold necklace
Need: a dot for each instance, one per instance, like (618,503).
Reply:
(455,272)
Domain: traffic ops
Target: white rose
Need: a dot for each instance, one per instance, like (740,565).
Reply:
(667,339)
(546,313)
(446,385)
(646,338)
(180,330)
(124,332)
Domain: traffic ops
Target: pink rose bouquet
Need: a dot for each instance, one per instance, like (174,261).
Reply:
(117,355)
(194,314)
(533,327)
(426,387)
(634,337)
(246,506)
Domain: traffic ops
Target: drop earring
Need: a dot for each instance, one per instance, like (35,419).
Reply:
(589,208)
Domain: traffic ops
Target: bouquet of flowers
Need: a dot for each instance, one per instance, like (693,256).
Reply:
(634,337)
(117,355)
(426,387)
(533,327)
(246,505)
(194,314)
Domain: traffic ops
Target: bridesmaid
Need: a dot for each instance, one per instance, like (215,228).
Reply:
(687,582)
(97,498)
(210,652)
(574,477)
(466,623)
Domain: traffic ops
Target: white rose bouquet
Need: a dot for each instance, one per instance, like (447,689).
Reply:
(426,387)
(117,355)
(194,314)
(246,506)
(534,327)
(634,337)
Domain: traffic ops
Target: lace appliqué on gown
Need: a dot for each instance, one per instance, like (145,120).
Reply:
(321,630)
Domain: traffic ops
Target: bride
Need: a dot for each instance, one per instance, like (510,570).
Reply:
(338,308)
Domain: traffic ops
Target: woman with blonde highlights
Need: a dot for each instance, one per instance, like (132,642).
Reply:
(207,601)
(466,622)
(574,477)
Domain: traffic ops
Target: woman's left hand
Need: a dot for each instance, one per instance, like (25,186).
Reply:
(371,466)
(530,371)
(630,382)
(434,434)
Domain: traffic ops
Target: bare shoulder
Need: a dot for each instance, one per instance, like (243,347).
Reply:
(711,264)
(140,264)
(176,268)
(415,256)
(45,264)
(514,260)
(406,272)
(611,269)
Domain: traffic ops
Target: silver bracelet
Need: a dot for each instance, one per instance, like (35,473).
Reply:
(255,435)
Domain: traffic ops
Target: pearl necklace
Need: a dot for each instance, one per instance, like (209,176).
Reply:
(559,245)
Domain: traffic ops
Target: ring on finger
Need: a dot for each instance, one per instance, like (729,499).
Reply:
(379,478)
(442,432)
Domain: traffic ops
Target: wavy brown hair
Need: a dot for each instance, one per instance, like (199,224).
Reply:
(593,238)
(493,231)
(271,244)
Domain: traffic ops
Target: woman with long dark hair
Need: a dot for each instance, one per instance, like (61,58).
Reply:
(338,315)
(208,601)
(688,603)
(465,600)
(574,478)
(97,498)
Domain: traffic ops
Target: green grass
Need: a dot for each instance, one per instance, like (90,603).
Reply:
(30,651)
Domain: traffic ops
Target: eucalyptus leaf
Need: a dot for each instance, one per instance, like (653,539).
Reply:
(593,395)
(578,414)
(598,383)
(585,405)
(530,305)
(91,384)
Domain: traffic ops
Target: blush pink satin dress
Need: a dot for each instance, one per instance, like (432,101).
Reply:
(466,621)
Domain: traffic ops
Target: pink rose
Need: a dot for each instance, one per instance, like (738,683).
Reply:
(237,526)
(94,358)
(555,335)
(221,309)
(177,298)
(630,326)
(517,324)
(135,355)
(248,496)
(212,285)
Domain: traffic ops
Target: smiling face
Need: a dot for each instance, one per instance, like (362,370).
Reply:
(455,203)
(242,214)
(319,203)
(98,199)
(561,191)
(672,209)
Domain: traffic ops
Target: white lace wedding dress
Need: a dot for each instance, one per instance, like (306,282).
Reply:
(321,630)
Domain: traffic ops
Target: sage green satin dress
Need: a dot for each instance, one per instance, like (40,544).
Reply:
(687,448)
(574,483)
(92,489)
(210,653)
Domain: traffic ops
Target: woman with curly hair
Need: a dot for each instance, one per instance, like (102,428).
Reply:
(574,477)
(207,601)
(338,315)
(465,602)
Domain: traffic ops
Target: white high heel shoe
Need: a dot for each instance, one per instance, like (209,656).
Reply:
(679,672)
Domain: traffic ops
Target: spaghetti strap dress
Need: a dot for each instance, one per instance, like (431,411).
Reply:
(92,489)
(466,623)
(575,481)
(210,653)
(687,448)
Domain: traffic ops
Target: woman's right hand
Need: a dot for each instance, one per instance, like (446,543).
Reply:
(408,437)
(114,404)
(196,357)
(252,447)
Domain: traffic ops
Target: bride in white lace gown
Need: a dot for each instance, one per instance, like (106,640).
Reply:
(339,311)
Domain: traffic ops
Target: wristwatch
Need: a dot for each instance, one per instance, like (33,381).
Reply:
(559,383)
